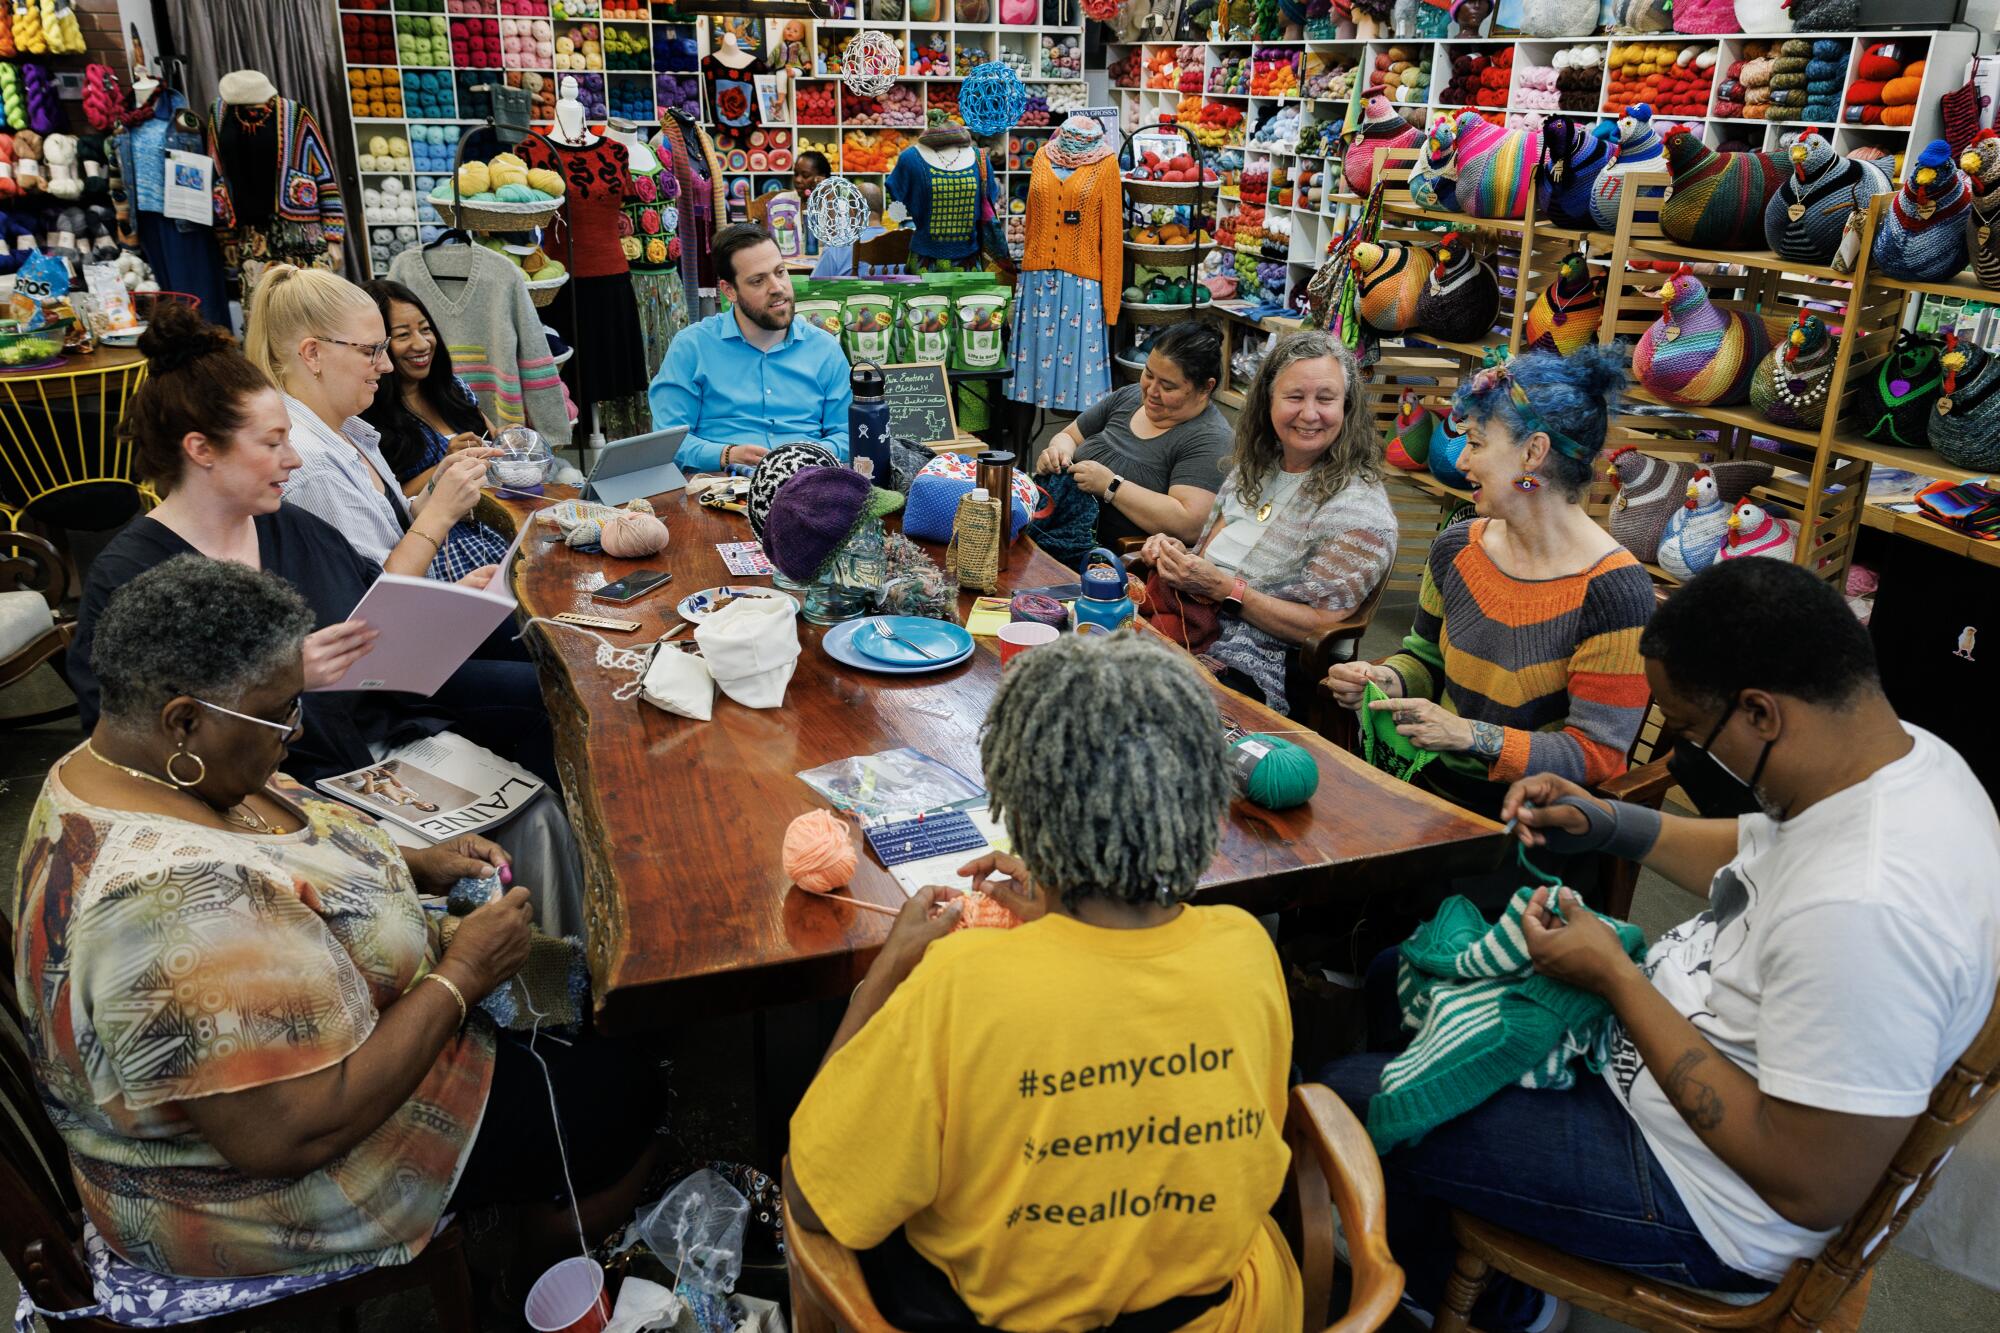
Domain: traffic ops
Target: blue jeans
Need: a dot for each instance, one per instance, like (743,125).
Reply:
(1569,1169)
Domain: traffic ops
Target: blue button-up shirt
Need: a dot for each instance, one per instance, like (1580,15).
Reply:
(725,391)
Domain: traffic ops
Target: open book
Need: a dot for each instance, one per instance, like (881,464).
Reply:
(428,627)
(438,787)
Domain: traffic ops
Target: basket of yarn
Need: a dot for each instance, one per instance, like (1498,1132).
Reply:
(501,194)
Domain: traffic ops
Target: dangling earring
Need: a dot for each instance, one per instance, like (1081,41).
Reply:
(1527,481)
(200,768)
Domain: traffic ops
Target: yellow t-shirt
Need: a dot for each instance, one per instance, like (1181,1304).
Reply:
(1071,1122)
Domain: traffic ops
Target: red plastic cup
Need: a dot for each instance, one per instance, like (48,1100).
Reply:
(1021,635)
(569,1298)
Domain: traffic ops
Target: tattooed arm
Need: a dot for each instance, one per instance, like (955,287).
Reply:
(1813,1166)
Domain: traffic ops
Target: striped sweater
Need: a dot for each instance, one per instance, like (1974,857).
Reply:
(1553,662)
(480,304)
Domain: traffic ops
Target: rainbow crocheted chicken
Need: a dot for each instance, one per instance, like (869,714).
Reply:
(1698,354)
(1409,445)
(1496,167)
(1718,198)
(1808,214)
(1390,277)
(1434,183)
(1564,318)
(1572,159)
(1639,149)
(1693,539)
(1753,530)
(1382,127)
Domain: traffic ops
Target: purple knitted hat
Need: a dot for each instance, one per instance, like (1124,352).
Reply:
(815,512)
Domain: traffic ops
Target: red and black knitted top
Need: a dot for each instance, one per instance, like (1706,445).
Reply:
(598,179)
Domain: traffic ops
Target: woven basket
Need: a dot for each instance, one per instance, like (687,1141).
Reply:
(1164,192)
(1157,256)
(541,293)
(485,217)
(1142,313)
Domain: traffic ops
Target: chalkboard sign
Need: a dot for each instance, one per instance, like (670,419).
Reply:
(920,402)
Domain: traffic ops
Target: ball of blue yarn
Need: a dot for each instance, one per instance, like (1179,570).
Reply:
(1286,776)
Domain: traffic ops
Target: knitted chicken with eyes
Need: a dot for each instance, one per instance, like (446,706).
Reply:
(1390,277)
(1639,149)
(1698,354)
(1565,317)
(1572,159)
(1694,534)
(1434,183)
(1752,530)
(1461,298)
(1496,168)
(1923,236)
(1790,385)
(1981,164)
(1381,128)
(1808,213)
(1652,490)
(1409,444)
(1718,198)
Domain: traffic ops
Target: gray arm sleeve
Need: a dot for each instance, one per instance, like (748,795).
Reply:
(1624,830)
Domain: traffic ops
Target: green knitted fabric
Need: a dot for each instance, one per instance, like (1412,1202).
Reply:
(1484,1020)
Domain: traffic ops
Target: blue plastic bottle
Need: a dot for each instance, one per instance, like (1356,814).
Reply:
(868,419)
(1103,607)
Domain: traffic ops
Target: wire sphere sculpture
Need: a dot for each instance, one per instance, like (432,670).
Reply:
(992,98)
(870,63)
(837,214)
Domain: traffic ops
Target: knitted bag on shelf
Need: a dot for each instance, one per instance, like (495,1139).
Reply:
(1966,429)
(1718,198)
(1922,237)
(1639,149)
(1390,277)
(1434,182)
(1805,218)
(1790,385)
(1461,297)
(1382,128)
(1897,403)
(1698,354)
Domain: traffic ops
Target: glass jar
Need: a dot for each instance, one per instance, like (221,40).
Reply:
(847,588)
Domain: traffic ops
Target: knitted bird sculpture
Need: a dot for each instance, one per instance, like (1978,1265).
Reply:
(1698,354)
(1390,277)
(1718,198)
(1381,128)
(1434,183)
(1981,165)
(1461,297)
(1694,534)
(1572,159)
(1789,386)
(1496,167)
(1923,236)
(1564,318)
(1807,215)
(1651,490)
(1639,149)
(1753,530)
(1447,445)
(1409,445)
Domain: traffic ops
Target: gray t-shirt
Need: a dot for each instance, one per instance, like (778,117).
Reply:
(1189,454)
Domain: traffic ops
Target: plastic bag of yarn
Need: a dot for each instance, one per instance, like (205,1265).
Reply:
(697,1232)
(1559,18)
(1825,15)
(1895,405)
(1966,427)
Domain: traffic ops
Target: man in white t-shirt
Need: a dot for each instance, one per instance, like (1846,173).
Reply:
(1773,1052)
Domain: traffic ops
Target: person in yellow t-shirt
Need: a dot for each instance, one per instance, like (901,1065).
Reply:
(1077,1124)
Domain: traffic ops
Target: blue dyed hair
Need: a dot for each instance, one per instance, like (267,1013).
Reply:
(1571,394)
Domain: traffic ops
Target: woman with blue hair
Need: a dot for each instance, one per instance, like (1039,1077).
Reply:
(1524,656)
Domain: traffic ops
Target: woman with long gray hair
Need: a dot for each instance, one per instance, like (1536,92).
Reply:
(1080,1120)
(1301,532)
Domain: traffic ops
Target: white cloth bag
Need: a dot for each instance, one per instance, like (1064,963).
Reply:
(679,683)
(752,647)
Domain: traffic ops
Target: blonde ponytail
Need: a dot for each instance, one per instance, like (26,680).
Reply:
(291,304)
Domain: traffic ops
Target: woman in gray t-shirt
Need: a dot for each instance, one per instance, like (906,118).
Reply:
(1152,452)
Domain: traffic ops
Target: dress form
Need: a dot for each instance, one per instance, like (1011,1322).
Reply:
(572,127)
(731,53)
(642,158)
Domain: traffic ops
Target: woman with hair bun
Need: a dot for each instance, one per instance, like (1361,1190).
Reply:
(213,436)
(1524,657)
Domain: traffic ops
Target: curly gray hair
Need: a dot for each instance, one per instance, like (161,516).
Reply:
(1355,455)
(206,628)
(1104,758)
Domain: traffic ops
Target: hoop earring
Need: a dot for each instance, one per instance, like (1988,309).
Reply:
(1527,481)
(201,769)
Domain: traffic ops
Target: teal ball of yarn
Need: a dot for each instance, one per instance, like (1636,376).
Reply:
(1285,776)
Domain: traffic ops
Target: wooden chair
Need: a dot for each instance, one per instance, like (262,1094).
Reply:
(41,1228)
(1826,1292)
(1334,1169)
(1305,670)
(885,254)
(34,579)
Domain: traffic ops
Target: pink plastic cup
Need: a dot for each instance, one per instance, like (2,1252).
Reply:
(569,1298)
(1021,635)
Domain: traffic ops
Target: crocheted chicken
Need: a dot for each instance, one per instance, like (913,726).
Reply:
(1572,159)
(1808,213)
(1381,127)
(1698,354)
(1790,385)
(1981,164)
(1434,183)
(1461,299)
(1565,317)
(1718,198)
(1496,167)
(1694,534)
(1639,149)
(1923,237)
(1390,277)
(1409,444)
(1752,530)
(1651,490)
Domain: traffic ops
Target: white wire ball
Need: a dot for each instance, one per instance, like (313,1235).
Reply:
(870,63)
(837,213)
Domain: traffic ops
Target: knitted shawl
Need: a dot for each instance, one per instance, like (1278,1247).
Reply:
(1484,1019)
(699,177)
(1328,556)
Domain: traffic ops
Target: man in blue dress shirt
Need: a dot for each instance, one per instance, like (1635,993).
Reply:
(750,378)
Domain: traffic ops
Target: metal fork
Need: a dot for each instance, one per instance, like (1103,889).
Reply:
(888,631)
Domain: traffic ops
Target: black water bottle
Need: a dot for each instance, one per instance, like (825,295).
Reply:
(868,420)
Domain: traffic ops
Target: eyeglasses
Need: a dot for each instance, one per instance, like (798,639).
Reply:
(293,726)
(373,350)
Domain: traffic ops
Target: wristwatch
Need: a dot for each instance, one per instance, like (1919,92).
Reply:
(1233,603)
(1112,489)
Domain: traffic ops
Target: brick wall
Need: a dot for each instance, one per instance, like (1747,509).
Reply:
(104,34)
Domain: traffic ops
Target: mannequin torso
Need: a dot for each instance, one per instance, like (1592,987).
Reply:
(571,127)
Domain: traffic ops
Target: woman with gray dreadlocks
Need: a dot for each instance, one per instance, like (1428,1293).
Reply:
(1078,1123)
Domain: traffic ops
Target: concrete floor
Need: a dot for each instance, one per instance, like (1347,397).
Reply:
(712,1111)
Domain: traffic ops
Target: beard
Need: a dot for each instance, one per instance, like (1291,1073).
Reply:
(777,321)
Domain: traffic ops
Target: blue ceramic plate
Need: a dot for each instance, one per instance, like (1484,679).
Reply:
(856,644)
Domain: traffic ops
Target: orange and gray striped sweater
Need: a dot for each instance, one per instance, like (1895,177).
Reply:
(1553,662)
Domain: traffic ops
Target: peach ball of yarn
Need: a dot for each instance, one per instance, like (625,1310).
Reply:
(628,536)
(818,853)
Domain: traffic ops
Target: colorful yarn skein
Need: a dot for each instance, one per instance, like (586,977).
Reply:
(38,86)
(12,98)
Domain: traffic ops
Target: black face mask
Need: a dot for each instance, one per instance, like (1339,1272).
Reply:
(1716,792)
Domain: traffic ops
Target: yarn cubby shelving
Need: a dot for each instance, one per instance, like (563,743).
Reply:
(642,64)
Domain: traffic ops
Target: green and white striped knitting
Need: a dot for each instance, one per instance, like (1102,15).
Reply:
(1484,1020)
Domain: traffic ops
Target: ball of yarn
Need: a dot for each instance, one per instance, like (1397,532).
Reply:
(1285,776)
(818,853)
(1039,609)
(628,536)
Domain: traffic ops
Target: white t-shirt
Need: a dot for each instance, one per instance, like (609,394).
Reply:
(1847,958)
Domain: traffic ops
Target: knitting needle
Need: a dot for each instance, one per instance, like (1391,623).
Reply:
(852,902)
(508,490)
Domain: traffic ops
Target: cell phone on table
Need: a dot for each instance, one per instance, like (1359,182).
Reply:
(636,584)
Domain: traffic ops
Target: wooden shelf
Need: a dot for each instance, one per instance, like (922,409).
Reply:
(1743,418)
(1965,287)
(1768,260)
(1923,462)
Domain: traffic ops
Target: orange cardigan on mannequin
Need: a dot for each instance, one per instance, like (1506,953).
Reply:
(1091,247)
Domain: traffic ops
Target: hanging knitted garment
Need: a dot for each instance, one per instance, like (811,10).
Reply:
(1790,385)
(1805,218)
(698,178)
(1484,1019)
(1718,198)
(1564,318)
(1390,279)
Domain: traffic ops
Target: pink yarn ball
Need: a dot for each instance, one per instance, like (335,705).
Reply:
(629,536)
(818,852)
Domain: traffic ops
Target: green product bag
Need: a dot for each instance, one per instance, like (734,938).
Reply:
(868,322)
(820,304)
(980,318)
(1384,746)
(924,329)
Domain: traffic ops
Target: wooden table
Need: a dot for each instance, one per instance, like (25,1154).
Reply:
(687,908)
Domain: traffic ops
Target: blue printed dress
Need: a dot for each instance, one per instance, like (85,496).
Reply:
(1059,342)
(470,543)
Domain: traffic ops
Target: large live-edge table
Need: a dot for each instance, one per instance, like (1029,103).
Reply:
(688,912)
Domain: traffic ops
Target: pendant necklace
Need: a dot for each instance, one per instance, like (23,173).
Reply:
(249,819)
